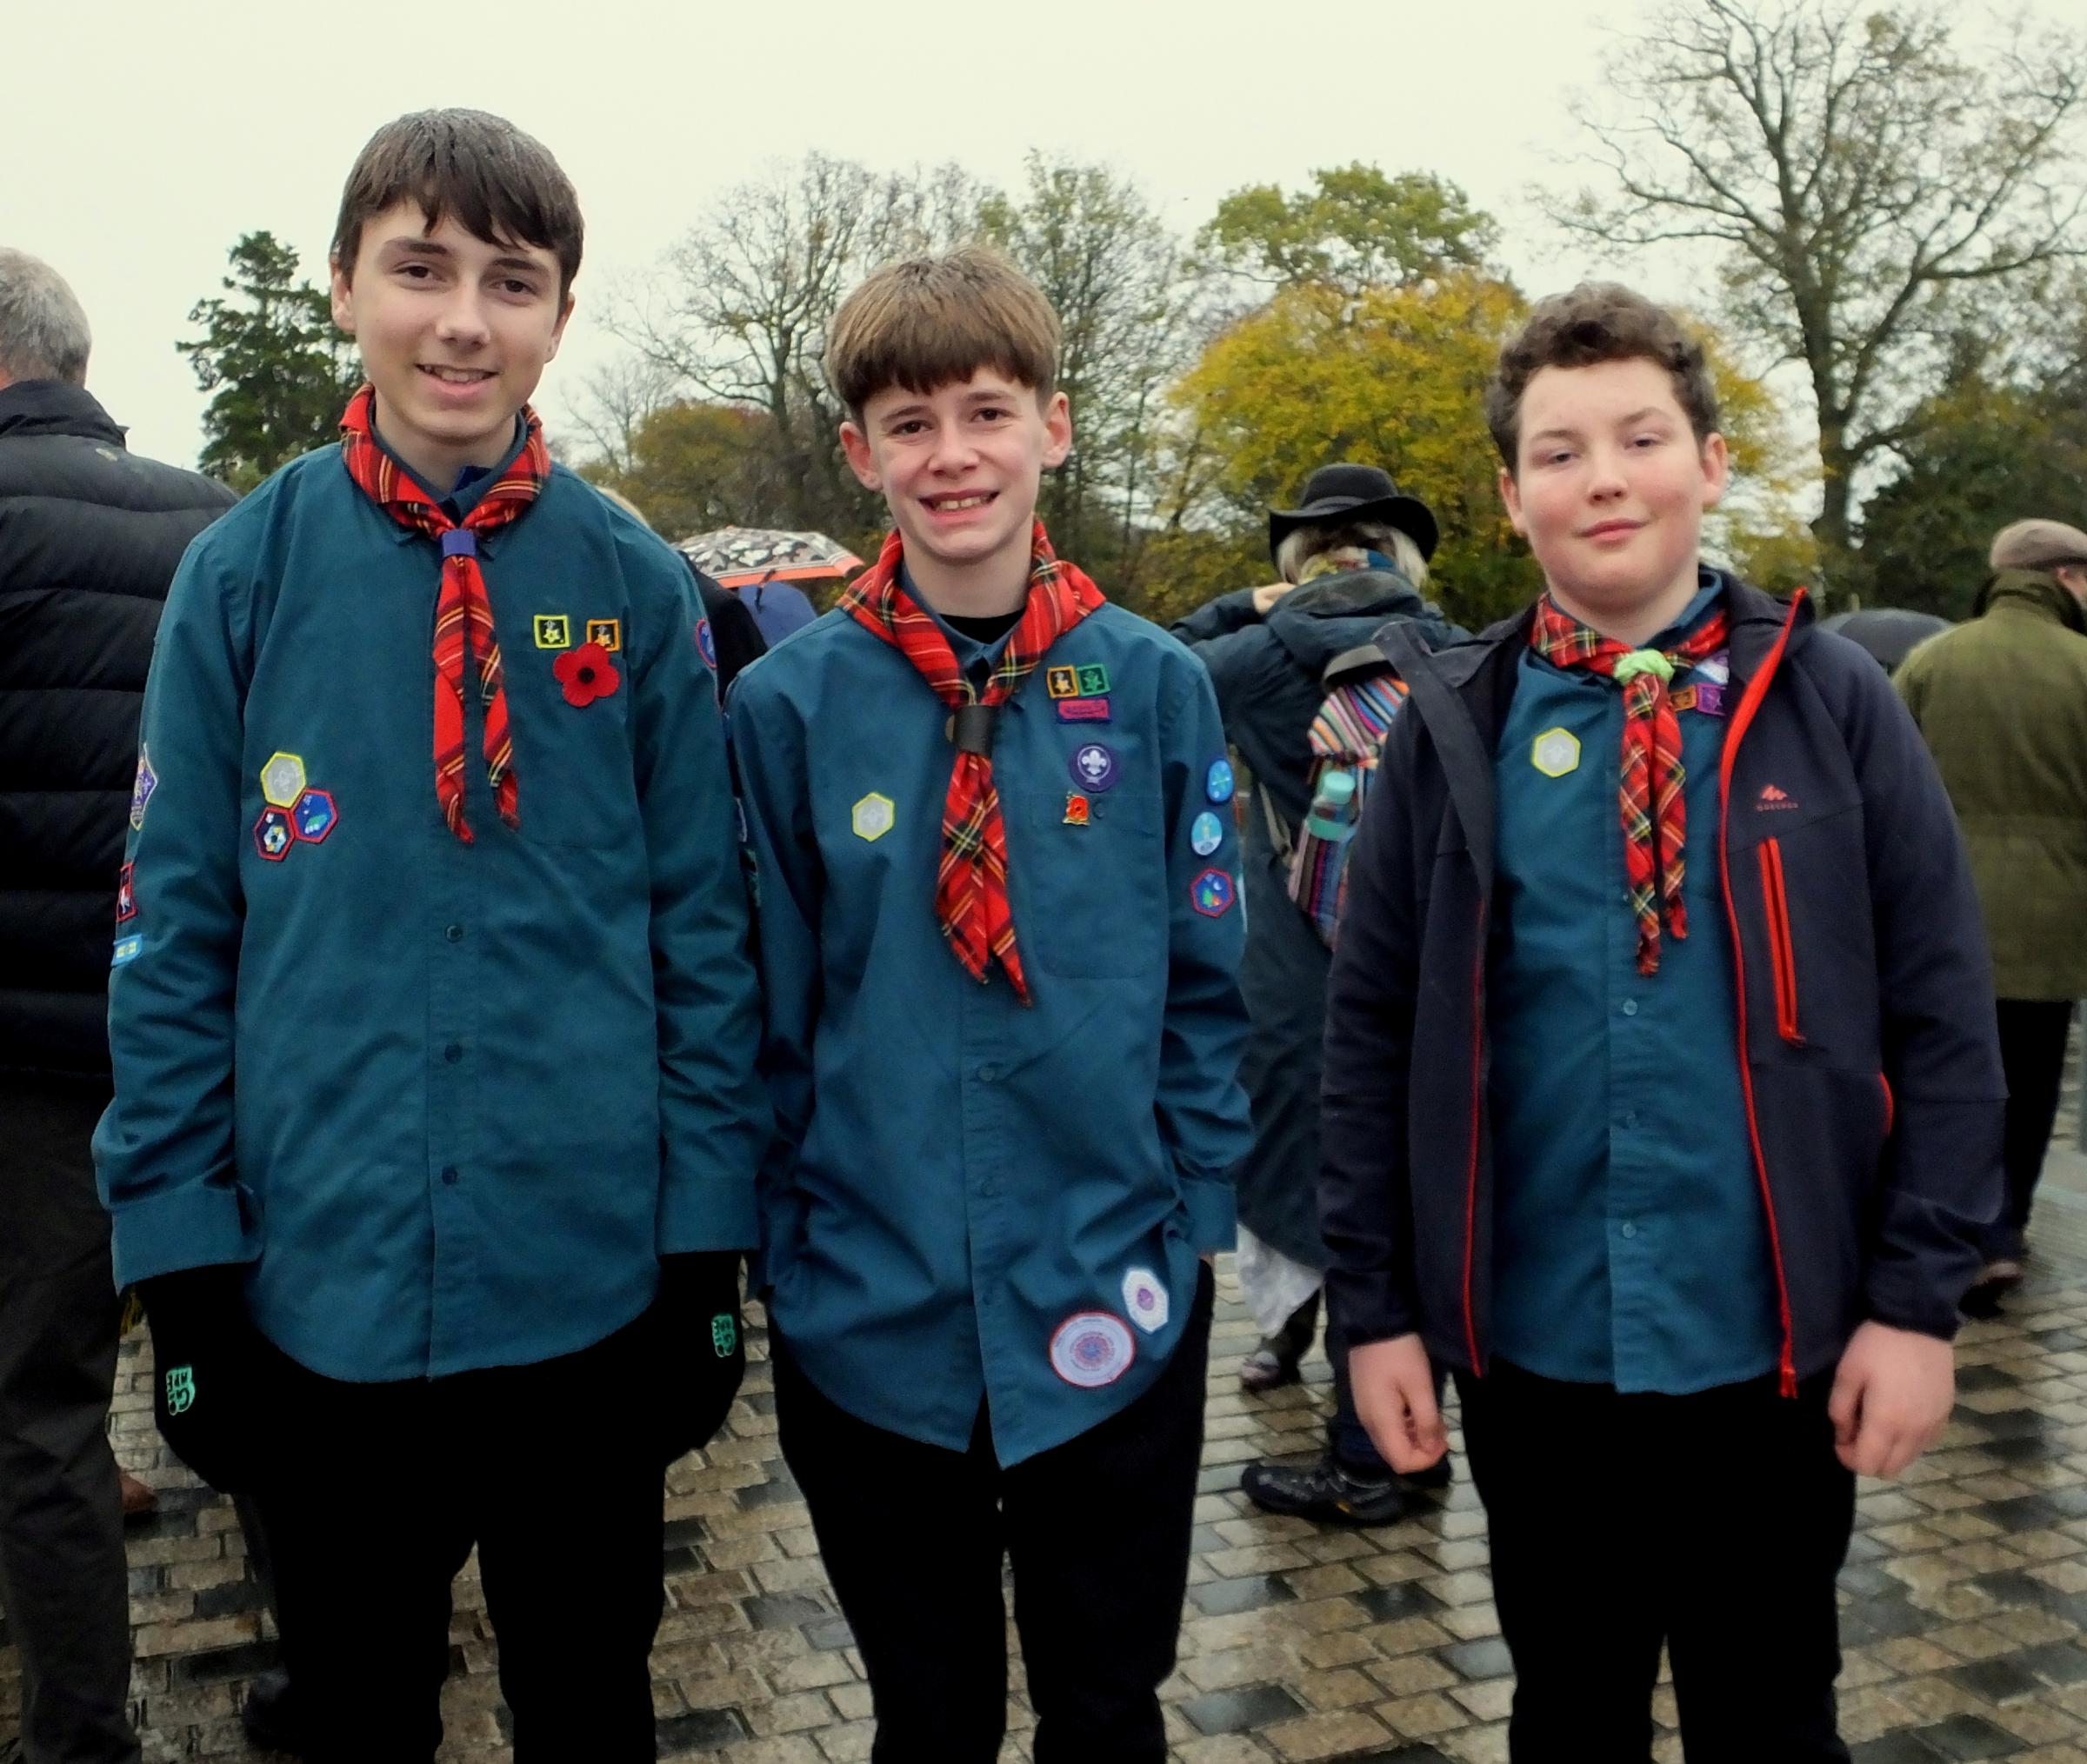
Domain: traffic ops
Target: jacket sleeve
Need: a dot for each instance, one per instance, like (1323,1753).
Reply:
(1940,1180)
(1229,638)
(1202,1109)
(163,1152)
(713,1115)
(767,748)
(1365,1197)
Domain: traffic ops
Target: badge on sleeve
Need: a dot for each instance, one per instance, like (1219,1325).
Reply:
(1091,1349)
(1213,894)
(126,895)
(1206,834)
(1555,753)
(1145,1299)
(141,791)
(873,816)
(706,644)
(126,950)
(273,835)
(1217,782)
(282,779)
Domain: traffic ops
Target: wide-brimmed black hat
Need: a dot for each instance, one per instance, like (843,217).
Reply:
(1335,495)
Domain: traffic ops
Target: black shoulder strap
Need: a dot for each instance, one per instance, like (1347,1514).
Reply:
(1467,767)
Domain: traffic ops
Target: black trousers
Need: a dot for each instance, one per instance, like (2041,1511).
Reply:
(554,1471)
(63,1581)
(2032,1055)
(1713,1523)
(1097,1530)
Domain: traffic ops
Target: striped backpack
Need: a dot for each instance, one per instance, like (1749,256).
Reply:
(1363,695)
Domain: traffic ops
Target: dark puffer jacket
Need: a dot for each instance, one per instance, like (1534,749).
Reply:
(89,539)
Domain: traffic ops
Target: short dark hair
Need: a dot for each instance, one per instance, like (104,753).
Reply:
(500,185)
(1597,322)
(928,321)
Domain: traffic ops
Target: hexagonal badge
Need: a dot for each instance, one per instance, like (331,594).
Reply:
(873,816)
(1555,753)
(282,780)
(314,816)
(273,835)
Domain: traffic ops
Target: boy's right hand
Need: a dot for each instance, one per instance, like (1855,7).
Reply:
(209,1365)
(1395,1398)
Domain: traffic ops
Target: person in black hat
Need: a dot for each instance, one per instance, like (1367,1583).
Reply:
(1352,556)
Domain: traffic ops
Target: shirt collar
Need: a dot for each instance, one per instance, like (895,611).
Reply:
(460,498)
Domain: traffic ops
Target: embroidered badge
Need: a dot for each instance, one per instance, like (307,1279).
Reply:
(1062,683)
(706,644)
(1217,782)
(1212,893)
(872,817)
(126,950)
(141,791)
(180,1390)
(554,632)
(282,780)
(1555,753)
(1206,834)
(1075,809)
(1081,710)
(586,673)
(1094,680)
(608,633)
(314,816)
(126,895)
(1094,766)
(1091,1349)
(1145,1300)
(273,834)
(724,1334)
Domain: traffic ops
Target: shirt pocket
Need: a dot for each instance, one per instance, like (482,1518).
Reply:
(1090,897)
(575,782)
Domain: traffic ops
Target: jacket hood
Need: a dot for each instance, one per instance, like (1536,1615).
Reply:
(2033,590)
(1337,613)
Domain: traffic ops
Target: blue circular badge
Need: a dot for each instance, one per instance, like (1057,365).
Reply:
(1217,782)
(1206,834)
(706,645)
(1093,767)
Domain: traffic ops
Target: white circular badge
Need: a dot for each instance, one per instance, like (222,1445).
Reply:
(1091,1349)
(1145,1299)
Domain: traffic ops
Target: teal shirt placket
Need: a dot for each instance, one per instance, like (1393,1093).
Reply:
(1630,1246)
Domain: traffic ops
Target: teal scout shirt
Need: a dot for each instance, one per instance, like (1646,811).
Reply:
(1630,1242)
(973,1200)
(449,1103)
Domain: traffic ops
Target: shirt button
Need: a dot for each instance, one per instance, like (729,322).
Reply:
(455,934)
(988,1074)
(449,1176)
(453,1053)
(1629,1007)
(987,1188)
(1629,1230)
(1630,1119)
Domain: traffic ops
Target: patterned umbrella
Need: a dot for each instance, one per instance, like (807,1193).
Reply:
(736,556)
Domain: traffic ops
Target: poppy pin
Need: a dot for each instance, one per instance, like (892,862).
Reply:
(586,673)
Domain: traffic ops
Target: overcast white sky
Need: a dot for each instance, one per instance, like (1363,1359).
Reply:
(137,140)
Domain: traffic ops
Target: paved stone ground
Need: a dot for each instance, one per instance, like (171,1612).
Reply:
(1965,1618)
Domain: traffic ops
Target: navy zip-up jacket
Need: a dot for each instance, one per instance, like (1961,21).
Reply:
(1871,1066)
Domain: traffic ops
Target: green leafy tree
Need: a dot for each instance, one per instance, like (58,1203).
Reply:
(693,467)
(279,372)
(1355,227)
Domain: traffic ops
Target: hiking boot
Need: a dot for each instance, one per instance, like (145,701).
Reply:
(1327,1491)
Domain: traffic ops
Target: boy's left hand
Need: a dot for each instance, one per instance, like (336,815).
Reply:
(1891,1398)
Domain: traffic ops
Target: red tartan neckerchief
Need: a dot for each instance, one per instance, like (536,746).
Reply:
(464,616)
(1655,816)
(970,885)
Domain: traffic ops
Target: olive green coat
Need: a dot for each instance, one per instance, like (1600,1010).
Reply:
(2003,703)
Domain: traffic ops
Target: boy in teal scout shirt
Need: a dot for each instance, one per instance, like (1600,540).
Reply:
(436,1121)
(1000,924)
